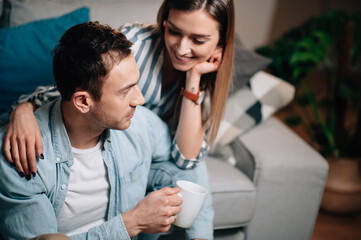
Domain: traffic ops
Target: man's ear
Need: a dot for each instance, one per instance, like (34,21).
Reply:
(82,101)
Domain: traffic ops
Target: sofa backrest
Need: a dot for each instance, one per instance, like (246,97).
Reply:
(112,12)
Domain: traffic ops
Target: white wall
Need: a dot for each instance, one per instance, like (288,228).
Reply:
(260,21)
(254,19)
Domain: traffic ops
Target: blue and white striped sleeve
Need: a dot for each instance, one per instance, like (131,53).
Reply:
(186,163)
(40,96)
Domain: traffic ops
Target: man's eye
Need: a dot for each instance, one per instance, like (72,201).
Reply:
(125,91)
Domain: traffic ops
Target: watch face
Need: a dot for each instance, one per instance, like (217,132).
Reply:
(200,97)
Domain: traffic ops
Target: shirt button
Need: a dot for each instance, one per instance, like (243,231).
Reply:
(63,187)
(57,159)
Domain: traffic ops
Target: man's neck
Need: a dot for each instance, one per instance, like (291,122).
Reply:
(82,134)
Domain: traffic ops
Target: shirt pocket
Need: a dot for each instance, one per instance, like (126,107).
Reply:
(134,185)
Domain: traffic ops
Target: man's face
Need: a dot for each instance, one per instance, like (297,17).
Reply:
(120,96)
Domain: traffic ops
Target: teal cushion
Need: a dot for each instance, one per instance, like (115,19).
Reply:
(26,54)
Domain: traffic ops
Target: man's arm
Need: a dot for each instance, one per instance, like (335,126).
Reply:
(25,210)
(25,213)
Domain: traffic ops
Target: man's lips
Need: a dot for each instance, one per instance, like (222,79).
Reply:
(130,115)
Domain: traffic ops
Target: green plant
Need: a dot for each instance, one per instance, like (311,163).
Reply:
(331,44)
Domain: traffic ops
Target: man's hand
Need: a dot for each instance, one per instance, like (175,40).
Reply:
(155,213)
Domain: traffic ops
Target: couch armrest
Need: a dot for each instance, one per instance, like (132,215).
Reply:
(289,177)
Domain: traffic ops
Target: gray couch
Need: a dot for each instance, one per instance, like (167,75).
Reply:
(273,192)
(271,186)
(274,195)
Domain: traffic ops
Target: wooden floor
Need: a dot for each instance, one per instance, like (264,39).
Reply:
(335,227)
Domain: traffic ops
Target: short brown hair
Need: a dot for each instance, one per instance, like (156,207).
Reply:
(79,58)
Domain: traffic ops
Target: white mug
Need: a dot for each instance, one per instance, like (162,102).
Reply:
(193,196)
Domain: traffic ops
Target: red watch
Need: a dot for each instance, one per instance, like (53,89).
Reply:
(197,98)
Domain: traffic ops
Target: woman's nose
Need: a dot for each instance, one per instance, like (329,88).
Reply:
(183,47)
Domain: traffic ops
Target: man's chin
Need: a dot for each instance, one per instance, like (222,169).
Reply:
(124,125)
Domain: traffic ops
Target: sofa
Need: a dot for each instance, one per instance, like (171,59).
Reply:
(266,182)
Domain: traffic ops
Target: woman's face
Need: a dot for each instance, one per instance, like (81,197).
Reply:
(190,37)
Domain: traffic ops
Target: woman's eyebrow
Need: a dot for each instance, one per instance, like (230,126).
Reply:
(193,34)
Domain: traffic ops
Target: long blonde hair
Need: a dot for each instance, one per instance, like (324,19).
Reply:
(217,84)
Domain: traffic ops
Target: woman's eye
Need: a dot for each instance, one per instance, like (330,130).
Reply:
(198,41)
(173,32)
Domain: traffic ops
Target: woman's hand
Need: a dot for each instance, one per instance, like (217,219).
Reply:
(212,65)
(22,139)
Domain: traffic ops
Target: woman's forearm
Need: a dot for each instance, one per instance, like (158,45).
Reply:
(190,134)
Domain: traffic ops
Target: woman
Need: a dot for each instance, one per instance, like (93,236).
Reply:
(191,48)
(187,54)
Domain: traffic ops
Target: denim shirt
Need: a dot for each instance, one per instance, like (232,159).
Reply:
(30,208)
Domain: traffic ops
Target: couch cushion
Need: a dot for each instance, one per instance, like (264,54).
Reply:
(246,64)
(25,54)
(249,106)
(234,195)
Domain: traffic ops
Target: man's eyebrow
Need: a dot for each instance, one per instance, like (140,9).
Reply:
(193,34)
(127,87)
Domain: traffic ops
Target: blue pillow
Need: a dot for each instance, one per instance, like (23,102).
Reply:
(26,54)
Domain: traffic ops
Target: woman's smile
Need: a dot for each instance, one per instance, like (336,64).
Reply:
(190,37)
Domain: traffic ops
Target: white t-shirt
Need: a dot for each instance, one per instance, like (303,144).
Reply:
(86,202)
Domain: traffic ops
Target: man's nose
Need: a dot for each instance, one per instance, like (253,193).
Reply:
(138,98)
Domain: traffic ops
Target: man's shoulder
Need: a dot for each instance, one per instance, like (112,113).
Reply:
(43,116)
(145,116)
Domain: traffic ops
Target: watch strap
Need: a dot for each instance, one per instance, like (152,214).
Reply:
(191,96)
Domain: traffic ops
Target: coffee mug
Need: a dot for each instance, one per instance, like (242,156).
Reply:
(193,196)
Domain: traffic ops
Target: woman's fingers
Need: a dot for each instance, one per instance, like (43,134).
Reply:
(7,149)
(22,141)
(39,145)
(212,65)
(16,157)
(31,158)
(23,156)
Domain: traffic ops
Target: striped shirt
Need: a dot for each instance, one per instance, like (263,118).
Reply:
(147,49)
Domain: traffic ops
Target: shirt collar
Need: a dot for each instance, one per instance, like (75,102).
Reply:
(59,135)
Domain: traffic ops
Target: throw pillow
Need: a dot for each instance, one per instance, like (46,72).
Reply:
(25,54)
(246,64)
(252,104)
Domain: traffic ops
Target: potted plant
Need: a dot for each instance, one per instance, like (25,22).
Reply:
(331,114)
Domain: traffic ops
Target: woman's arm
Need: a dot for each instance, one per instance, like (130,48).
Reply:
(23,138)
(190,133)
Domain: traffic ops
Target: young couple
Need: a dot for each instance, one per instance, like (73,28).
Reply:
(93,180)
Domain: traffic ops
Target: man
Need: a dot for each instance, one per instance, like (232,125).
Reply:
(92,182)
